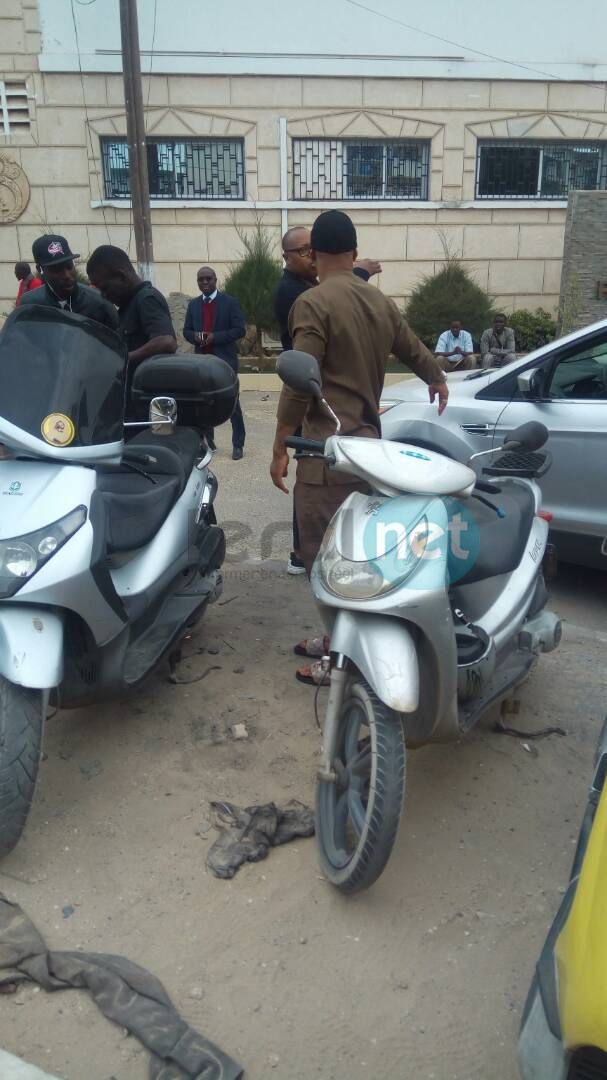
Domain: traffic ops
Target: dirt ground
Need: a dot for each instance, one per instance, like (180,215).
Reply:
(423,977)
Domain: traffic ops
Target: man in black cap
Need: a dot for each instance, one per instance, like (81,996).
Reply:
(351,330)
(298,276)
(143,313)
(55,263)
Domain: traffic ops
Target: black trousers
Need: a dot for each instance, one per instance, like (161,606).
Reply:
(238,428)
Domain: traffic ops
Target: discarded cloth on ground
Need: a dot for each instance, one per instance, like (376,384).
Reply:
(124,992)
(246,835)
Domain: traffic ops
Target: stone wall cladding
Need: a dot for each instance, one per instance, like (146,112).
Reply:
(585,255)
(515,252)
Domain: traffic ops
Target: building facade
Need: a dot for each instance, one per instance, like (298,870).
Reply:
(428,162)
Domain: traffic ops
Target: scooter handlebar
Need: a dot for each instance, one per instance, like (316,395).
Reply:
(311,446)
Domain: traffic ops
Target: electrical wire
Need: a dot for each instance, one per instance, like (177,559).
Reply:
(86,114)
(447,41)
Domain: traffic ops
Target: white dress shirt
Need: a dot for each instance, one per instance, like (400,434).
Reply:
(448,341)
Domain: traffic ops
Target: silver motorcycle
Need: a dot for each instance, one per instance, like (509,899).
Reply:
(431,588)
(109,550)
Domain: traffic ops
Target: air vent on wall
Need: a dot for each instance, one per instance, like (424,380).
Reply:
(14,106)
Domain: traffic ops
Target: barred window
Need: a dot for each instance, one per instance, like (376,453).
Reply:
(539,170)
(360,169)
(179,168)
(14,107)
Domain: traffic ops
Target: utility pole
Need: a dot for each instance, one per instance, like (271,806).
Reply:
(135,126)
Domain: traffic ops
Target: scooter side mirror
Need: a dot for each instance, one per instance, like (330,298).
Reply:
(529,436)
(163,415)
(300,372)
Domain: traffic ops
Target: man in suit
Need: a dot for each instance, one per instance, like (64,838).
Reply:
(213,325)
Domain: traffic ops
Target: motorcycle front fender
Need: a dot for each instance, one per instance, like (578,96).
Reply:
(384,652)
(31,646)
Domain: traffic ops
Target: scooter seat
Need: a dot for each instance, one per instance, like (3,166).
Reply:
(134,499)
(502,538)
(184,444)
(134,508)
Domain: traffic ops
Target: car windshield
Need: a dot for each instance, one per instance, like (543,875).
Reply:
(62,377)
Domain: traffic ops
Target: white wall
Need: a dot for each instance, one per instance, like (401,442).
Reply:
(541,38)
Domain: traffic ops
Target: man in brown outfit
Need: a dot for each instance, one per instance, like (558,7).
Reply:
(351,329)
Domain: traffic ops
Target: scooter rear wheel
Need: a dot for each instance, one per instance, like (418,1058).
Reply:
(20,748)
(357,815)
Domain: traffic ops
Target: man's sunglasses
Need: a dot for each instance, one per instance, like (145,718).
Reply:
(303,251)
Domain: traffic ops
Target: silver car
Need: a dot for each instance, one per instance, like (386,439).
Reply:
(564,386)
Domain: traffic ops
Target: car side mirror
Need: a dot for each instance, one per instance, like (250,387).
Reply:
(300,372)
(530,384)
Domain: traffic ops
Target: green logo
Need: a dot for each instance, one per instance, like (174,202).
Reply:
(15,487)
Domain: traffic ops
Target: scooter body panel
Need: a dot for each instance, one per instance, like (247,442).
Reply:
(422,603)
(31,646)
(384,652)
(173,546)
(69,579)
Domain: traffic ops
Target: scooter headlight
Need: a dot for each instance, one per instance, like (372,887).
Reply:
(354,580)
(22,556)
(19,559)
(374,577)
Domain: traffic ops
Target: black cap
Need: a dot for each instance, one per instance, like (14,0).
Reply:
(333,233)
(52,250)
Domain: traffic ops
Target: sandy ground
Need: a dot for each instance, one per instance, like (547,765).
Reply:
(421,978)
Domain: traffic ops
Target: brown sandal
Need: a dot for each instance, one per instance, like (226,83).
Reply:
(313,675)
(314,647)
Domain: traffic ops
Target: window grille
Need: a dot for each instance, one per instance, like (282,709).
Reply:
(539,170)
(346,169)
(179,168)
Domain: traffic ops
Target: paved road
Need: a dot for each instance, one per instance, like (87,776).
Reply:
(422,978)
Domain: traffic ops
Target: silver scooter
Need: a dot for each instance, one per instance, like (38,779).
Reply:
(108,551)
(432,591)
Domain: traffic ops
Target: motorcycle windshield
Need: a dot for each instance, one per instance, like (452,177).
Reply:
(62,377)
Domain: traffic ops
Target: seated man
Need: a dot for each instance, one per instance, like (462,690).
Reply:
(498,346)
(454,348)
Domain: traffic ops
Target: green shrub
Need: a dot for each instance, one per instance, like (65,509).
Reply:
(450,294)
(254,279)
(532,328)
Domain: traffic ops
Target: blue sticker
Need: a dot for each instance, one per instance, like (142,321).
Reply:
(416,454)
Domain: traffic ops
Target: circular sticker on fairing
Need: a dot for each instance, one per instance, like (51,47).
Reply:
(58,430)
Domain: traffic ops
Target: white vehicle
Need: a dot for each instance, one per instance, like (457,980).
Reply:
(432,592)
(108,552)
(562,385)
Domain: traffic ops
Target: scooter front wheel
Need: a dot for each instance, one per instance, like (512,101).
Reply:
(20,748)
(358,814)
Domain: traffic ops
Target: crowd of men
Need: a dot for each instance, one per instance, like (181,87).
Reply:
(323,306)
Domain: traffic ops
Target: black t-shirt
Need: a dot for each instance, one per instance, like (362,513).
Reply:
(145,316)
(288,289)
(84,301)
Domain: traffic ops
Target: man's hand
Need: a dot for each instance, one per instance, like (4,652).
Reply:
(207,339)
(279,469)
(442,391)
(198,338)
(372,266)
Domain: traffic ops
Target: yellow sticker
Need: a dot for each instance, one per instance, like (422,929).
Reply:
(58,429)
